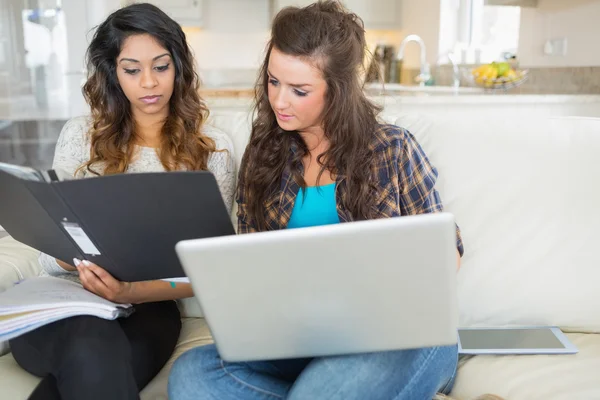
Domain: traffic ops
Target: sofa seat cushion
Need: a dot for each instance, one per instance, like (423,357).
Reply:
(548,377)
(553,377)
(15,383)
(194,333)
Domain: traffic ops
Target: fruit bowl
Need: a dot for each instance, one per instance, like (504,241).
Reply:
(497,76)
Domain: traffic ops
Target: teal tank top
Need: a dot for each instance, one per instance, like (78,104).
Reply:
(314,206)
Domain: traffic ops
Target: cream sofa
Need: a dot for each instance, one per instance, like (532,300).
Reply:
(526,195)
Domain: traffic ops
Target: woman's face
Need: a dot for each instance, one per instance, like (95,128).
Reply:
(146,74)
(296,92)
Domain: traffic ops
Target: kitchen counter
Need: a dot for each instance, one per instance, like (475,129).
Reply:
(237,99)
(64,106)
(484,98)
(230,91)
(430,95)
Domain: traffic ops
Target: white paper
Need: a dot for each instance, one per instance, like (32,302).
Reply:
(39,301)
(42,293)
(22,172)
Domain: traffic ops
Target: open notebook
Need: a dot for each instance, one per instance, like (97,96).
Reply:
(39,301)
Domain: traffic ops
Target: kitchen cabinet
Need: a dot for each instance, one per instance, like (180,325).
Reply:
(279,4)
(276,5)
(522,3)
(376,14)
(185,12)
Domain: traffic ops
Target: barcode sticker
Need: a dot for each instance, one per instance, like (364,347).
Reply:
(79,236)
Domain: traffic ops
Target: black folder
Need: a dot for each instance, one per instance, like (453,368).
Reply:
(127,223)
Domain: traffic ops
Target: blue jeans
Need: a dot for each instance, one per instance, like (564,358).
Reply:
(394,375)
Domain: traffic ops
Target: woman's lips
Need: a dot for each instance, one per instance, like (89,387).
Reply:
(150,99)
(284,117)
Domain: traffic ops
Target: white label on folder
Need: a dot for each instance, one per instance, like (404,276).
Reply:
(80,237)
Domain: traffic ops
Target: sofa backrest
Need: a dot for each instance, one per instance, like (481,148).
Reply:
(237,124)
(525,194)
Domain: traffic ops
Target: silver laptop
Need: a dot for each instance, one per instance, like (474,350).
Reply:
(357,287)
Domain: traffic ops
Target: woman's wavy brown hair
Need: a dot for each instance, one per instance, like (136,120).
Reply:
(330,37)
(113,132)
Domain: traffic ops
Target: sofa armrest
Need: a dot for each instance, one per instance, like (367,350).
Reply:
(17,262)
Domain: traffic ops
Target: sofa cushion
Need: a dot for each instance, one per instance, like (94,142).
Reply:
(550,377)
(14,381)
(238,125)
(18,384)
(17,261)
(525,195)
(194,333)
(512,377)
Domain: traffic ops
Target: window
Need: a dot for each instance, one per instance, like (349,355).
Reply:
(488,32)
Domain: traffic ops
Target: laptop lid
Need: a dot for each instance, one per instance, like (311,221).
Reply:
(356,287)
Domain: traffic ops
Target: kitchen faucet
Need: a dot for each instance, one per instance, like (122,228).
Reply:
(425,73)
(455,69)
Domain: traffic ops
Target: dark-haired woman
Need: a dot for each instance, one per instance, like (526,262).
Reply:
(146,116)
(317,155)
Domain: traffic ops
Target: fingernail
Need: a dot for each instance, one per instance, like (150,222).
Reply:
(86,263)
(76,262)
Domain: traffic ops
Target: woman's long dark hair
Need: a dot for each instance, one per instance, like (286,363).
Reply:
(333,39)
(113,127)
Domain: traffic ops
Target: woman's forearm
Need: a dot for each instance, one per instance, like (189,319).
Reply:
(150,291)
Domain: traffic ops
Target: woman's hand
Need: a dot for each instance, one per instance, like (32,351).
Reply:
(98,281)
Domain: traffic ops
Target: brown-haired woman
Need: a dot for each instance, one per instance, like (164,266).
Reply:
(317,155)
(146,116)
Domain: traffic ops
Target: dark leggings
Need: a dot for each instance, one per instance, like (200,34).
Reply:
(91,358)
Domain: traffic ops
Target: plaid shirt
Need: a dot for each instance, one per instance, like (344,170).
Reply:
(405,175)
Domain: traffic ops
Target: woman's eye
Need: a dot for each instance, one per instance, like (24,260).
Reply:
(162,68)
(300,93)
(131,71)
(273,82)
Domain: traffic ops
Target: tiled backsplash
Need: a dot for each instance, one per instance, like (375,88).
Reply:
(584,80)
(570,80)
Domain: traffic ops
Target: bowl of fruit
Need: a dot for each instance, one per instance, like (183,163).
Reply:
(498,76)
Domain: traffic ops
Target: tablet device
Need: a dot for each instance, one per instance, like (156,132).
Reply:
(517,340)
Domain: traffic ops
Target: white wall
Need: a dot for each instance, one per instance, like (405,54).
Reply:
(421,17)
(576,20)
(233,36)
(80,17)
(236,32)
(451,26)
